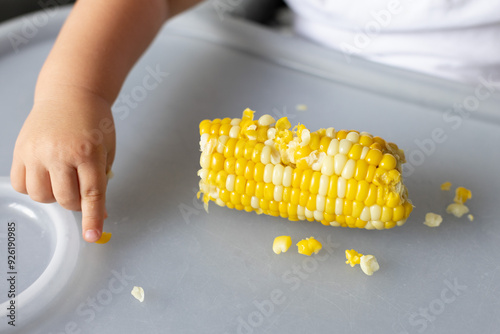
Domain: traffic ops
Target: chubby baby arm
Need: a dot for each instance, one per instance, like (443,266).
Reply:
(67,143)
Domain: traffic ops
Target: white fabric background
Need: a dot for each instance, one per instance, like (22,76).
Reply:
(454,39)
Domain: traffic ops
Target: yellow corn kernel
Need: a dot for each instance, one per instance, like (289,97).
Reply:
(365,140)
(352,189)
(370,173)
(324,144)
(393,199)
(315,180)
(355,152)
(374,156)
(341,134)
(361,170)
(388,161)
(446,186)
(462,195)
(283,124)
(353,257)
(306,179)
(105,237)
(309,246)
(281,244)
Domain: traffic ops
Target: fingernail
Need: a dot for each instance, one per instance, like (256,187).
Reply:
(91,235)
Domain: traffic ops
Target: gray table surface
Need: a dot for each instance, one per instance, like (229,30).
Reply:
(216,272)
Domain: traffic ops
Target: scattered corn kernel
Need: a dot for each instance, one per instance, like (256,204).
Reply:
(308,246)
(446,186)
(433,219)
(105,237)
(457,209)
(462,195)
(138,293)
(369,264)
(281,244)
(471,217)
(301,107)
(353,257)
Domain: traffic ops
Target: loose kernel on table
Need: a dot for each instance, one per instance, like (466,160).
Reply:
(138,293)
(105,237)
(462,195)
(457,209)
(369,264)
(433,219)
(446,186)
(308,246)
(281,244)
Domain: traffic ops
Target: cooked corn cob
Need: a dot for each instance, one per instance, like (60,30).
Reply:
(340,178)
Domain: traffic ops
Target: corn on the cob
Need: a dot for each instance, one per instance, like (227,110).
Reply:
(340,178)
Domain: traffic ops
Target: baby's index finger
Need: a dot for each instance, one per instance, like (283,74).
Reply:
(93,182)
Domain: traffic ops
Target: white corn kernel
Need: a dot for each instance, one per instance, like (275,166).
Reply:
(221,143)
(230,180)
(278,172)
(320,203)
(369,264)
(138,293)
(365,214)
(344,146)
(287,176)
(353,137)
(265,156)
(457,209)
(268,173)
(278,193)
(275,156)
(235,121)
(379,225)
(339,162)
(324,181)
(266,120)
(301,212)
(433,220)
(339,206)
(333,148)
(401,222)
(318,215)
(330,132)
(309,214)
(234,132)
(271,133)
(364,152)
(375,212)
(254,202)
(341,187)
(349,169)
(305,137)
(204,141)
(328,166)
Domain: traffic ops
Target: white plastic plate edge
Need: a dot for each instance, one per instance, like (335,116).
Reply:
(35,299)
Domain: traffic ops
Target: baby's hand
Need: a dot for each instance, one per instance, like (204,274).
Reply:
(63,152)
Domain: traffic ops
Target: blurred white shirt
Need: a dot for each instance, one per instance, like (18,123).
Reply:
(454,39)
